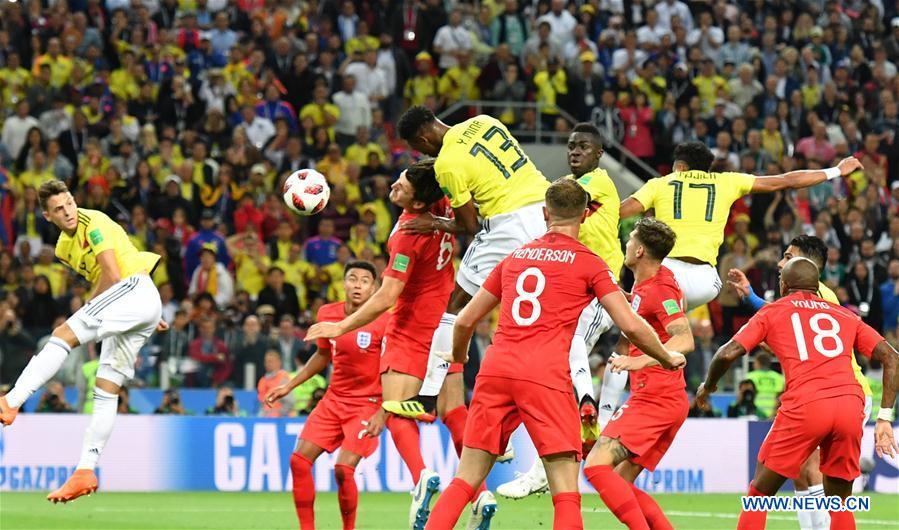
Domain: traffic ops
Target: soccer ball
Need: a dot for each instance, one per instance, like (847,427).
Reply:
(306,192)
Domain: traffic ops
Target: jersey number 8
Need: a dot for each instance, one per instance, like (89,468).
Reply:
(528,296)
(505,146)
(831,334)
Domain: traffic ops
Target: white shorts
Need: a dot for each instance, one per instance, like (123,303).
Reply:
(869,406)
(593,322)
(123,317)
(499,236)
(699,283)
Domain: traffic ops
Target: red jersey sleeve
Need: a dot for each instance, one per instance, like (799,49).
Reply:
(324,345)
(753,332)
(866,339)
(402,257)
(667,306)
(602,281)
(494,282)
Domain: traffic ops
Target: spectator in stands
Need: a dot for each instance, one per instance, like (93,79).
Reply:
(208,234)
(54,399)
(250,350)
(355,111)
(744,405)
(279,294)
(274,376)
(767,384)
(171,404)
(321,250)
(288,342)
(212,277)
(215,362)
(451,41)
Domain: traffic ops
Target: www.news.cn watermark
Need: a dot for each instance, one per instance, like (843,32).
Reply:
(786,503)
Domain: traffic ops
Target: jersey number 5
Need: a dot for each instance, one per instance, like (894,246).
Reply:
(679,195)
(832,334)
(531,297)
(505,146)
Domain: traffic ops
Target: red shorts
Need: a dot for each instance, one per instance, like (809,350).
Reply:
(406,358)
(337,422)
(833,423)
(647,424)
(499,405)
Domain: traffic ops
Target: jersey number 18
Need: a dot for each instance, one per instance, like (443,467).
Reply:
(831,334)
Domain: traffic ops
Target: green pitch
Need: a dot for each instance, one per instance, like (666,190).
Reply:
(388,511)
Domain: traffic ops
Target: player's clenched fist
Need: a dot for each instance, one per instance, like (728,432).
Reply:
(276,393)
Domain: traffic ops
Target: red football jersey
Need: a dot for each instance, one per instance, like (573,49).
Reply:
(543,287)
(355,356)
(813,339)
(425,263)
(659,301)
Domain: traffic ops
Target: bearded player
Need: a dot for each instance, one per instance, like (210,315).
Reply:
(353,396)
(418,282)
(823,404)
(525,376)
(642,430)
(599,233)
(123,312)
(810,480)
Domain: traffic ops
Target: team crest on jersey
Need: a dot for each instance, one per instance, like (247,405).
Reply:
(363,339)
(635,304)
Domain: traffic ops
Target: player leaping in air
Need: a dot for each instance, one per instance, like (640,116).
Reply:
(418,282)
(810,480)
(353,396)
(525,377)
(599,233)
(823,404)
(123,312)
(642,430)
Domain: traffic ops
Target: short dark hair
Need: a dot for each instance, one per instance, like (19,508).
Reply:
(764,359)
(590,129)
(566,199)
(655,236)
(696,155)
(413,120)
(50,189)
(424,182)
(812,247)
(360,264)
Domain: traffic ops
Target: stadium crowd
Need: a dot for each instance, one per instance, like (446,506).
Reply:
(181,118)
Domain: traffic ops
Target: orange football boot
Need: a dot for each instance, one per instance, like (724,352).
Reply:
(82,482)
(7,413)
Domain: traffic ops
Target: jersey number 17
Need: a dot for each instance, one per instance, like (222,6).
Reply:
(479,148)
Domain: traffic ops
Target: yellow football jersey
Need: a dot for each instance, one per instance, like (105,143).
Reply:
(481,160)
(599,232)
(696,205)
(96,233)
(825,293)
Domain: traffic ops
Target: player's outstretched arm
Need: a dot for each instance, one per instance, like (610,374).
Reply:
(884,442)
(639,332)
(465,221)
(380,302)
(630,207)
(794,180)
(724,357)
(318,362)
(476,309)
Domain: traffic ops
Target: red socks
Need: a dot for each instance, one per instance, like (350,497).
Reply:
(617,494)
(455,423)
(450,505)
(408,443)
(567,511)
(842,521)
(303,490)
(753,520)
(655,518)
(347,494)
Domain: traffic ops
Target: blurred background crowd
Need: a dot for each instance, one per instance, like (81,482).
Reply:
(181,118)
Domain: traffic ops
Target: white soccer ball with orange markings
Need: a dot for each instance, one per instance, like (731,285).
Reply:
(306,192)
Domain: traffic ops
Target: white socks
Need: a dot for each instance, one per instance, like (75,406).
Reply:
(105,407)
(580,368)
(610,395)
(437,367)
(813,519)
(41,368)
(537,471)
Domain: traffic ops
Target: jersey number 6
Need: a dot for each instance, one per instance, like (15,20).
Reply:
(505,146)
